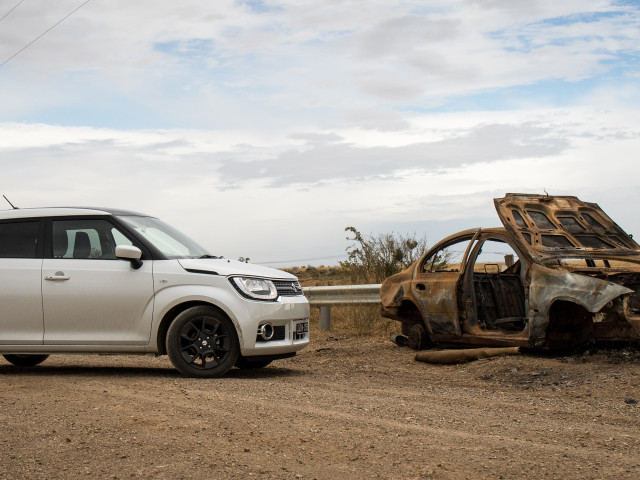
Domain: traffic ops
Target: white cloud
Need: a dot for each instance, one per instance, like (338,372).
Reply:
(208,184)
(306,54)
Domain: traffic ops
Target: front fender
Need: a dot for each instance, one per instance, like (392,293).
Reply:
(548,285)
(223,298)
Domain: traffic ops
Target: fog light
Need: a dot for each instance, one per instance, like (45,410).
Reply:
(265,331)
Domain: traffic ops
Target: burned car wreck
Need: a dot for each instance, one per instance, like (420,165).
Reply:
(560,274)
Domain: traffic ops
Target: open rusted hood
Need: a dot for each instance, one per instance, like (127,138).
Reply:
(550,227)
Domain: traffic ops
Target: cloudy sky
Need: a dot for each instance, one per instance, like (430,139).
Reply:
(264,128)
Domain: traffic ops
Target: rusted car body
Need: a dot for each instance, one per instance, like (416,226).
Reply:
(570,276)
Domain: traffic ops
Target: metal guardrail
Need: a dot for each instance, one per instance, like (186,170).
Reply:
(342,294)
(326,296)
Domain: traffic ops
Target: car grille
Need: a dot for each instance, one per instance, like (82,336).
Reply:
(288,288)
(279,333)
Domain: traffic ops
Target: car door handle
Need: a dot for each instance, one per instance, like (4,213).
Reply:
(57,277)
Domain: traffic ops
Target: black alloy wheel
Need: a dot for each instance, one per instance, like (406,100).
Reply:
(202,342)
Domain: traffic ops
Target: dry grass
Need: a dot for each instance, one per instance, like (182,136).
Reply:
(351,320)
(358,320)
(320,276)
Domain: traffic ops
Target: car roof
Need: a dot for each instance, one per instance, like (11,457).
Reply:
(63,212)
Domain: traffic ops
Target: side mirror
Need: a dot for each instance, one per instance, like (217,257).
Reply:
(131,253)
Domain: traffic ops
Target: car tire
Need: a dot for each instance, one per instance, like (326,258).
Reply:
(25,360)
(245,363)
(418,337)
(202,342)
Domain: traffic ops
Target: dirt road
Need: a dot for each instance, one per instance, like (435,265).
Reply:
(343,408)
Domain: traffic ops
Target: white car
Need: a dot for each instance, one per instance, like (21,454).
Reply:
(82,280)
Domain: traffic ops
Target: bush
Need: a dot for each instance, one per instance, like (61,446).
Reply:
(371,259)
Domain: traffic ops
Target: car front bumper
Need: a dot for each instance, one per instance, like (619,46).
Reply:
(289,319)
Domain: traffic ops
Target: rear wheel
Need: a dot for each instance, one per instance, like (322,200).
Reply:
(413,327)
(25,360)
(202,342)
(418,337)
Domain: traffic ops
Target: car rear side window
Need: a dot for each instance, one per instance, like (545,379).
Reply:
(447,259)
(19,239)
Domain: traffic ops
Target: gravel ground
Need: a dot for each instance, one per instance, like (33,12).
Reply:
(345,407)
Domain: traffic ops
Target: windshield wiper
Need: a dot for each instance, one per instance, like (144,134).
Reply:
(206,255)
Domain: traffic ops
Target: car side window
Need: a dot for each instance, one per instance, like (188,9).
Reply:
(119,237)
(446,259)
(86,239)
(19,239)
(496,256)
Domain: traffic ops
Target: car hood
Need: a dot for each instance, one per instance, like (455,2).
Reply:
(550,227)
(224,267)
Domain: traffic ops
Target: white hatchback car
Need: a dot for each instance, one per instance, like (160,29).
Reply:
(86,280)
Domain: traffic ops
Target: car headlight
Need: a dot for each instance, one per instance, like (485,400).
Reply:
(255,288)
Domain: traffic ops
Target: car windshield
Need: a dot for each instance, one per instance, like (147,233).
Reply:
(165,238)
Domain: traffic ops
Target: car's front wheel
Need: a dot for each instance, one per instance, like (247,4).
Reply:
(25,360)
(202,342)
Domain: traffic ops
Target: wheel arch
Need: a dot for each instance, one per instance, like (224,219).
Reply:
(569,325)
(173,312)
(414,326)
(410,313)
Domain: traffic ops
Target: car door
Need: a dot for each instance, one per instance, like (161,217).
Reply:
(89,296)
(20,282)
(493,287)
(435,284)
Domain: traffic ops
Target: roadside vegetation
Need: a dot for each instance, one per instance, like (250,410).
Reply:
(370,259)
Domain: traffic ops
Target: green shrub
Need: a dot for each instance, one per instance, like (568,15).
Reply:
(372,258)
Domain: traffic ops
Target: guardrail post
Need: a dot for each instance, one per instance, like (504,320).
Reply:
(508,260)
(325,317)
(323,297)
